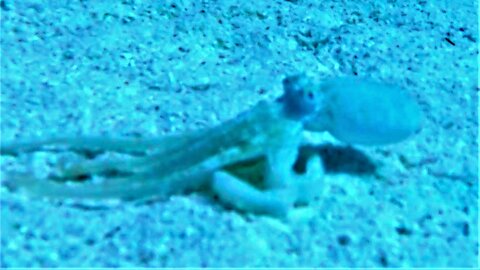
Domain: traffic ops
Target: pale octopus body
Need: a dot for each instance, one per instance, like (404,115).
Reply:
(247,161)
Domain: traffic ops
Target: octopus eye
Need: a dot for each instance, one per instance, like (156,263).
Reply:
(310,95)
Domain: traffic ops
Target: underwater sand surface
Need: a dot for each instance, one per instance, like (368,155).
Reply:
(130,68)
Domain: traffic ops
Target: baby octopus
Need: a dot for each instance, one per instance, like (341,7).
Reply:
(247,162)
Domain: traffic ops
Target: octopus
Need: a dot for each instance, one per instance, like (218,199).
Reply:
(246,162)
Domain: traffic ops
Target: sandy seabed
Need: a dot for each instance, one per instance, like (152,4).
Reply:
(129,68)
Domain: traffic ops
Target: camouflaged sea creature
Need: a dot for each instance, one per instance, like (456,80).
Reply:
(247,161)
